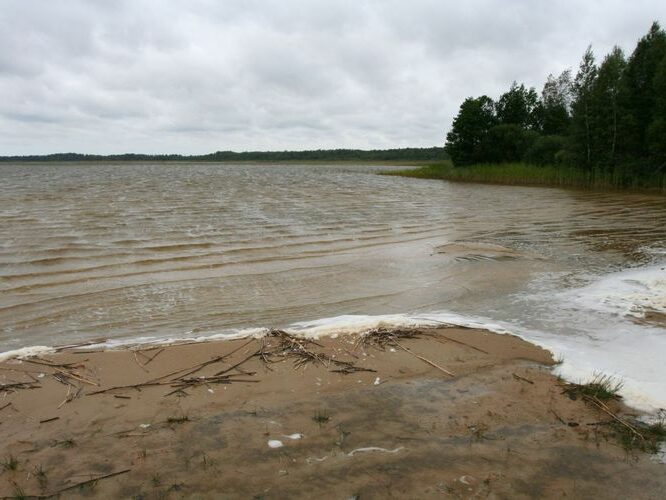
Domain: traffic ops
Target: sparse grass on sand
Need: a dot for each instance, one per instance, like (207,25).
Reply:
(631,433)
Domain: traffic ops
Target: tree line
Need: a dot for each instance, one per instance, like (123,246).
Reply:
(608,117)
(401,154)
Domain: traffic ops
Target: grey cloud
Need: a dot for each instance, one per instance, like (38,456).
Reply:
(198,76)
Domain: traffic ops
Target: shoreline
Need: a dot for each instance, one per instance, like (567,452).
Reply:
(414,413)
(528,175)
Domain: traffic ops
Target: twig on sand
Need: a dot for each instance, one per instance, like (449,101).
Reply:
(48,420)
(5,406)
(46,362)
(136,360)
(89,481)
(81,344)
(436,335)
(193,369)
(18,385)
(76,376)
(560,419)
(71,396)
(154,356)
(607,411)
(518,377)
(302,352)
(431,363)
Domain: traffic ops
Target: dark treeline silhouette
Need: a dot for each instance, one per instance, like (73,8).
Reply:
(608,119)
(403,154)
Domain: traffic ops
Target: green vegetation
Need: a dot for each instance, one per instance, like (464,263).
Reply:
(601,387)
(525,174)
(647,437)
(379,155)
(604,127)
(10,463)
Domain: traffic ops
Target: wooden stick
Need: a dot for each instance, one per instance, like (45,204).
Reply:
(558,417)
(424,359)
(82,344)
(83,483)
(518,377)
(199,366)
(154,356)
(238,364)
(132,386)
(3,407)
(48,420)
(435,335)
(606,410)
(77,377)
(46,362)
(136,360)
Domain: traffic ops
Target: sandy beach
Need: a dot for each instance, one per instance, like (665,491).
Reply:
(438,413)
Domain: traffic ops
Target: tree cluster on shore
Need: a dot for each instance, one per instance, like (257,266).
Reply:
(608,118)
(402,154)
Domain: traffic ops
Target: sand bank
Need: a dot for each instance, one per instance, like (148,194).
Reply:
(449,412)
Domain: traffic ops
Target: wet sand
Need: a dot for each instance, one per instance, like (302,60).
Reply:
(452,413)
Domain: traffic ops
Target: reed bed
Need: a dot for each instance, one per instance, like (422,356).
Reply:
(535,175)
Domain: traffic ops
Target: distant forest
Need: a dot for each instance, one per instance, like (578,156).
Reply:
(608,118)
(404,154)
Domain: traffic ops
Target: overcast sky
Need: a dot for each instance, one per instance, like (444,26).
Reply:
(197,76)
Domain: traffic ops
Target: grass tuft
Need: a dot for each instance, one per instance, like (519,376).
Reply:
(177,420)
(42,479)
(601,387)
(321,417)
(10,463)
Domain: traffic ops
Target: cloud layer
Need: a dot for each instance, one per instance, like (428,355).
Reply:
(171,76)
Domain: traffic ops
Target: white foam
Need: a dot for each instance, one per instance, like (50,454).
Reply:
(26,352)
(356,324)
(633,292)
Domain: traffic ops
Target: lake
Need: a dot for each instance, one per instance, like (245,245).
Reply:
(144,252)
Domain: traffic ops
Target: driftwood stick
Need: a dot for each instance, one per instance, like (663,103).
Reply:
(46,362)
(19,385)
(76,376)
(245,360)
(193,369)
(518,377)
(131,386)
(450,374)
(136,360)
(6,406)
(154,356)
(561,420)
(607,411)
(81,344)
(435,335)
(94,480)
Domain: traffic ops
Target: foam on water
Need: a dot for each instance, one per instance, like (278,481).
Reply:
(26,352)
(634,292)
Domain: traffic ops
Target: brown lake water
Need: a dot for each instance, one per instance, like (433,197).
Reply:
(157,251)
